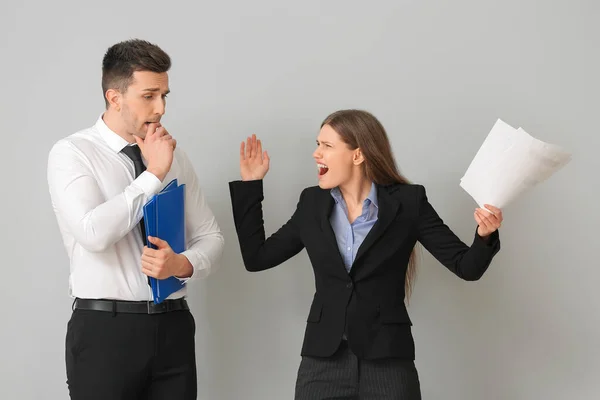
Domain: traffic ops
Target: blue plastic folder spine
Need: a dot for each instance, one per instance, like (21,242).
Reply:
(170,218)
(150,216)
(171,185)
(164,216)
(150,222)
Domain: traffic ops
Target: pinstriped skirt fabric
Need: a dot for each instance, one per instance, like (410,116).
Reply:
(343,376)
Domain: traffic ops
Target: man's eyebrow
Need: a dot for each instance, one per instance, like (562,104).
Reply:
(155,90)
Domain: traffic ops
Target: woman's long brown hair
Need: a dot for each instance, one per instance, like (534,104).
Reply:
(360,129)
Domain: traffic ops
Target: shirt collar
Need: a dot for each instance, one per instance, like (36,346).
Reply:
(114,141)
(336,194)
(372,196)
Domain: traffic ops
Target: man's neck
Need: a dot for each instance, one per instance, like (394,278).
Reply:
(114,122)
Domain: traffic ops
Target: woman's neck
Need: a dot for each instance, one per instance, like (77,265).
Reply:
(356,191)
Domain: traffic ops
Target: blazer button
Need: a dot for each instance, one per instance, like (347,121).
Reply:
(349,285)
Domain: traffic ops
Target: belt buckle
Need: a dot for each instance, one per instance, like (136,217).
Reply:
(158,308)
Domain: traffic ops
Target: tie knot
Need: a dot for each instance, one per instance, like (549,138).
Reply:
(133,152)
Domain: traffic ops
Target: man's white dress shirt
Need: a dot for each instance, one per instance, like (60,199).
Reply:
(98,206)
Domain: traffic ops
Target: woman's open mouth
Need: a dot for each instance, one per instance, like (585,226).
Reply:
(322,169)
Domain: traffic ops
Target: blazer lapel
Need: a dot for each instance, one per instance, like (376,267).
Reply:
(388,208)
(326,207)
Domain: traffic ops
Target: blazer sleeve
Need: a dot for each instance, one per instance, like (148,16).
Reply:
(259,253)
(468,263)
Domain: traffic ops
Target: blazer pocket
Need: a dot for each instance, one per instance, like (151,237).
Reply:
(314,315)
(397,315)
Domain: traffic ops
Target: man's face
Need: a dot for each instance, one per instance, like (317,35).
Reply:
(144,102)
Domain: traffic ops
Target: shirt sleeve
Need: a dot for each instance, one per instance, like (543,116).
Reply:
(204,237)
(95,222)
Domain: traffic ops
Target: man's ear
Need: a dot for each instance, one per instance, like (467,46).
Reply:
(114,99)
(357,157)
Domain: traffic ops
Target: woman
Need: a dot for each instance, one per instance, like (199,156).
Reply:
(359,227)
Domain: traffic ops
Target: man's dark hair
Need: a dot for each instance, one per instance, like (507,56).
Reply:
(123,59)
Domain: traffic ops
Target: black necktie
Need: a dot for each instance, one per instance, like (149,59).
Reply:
(135,154)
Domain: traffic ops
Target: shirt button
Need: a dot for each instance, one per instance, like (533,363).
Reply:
(349,285)
(348,249)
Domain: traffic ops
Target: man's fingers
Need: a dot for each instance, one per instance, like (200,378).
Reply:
(153,271)
(161,244)
(161,132)
(164,135)
(150,260)
(139,141)
(149,271)
(152,129)
(147,266)
(159,254)
(152,253)
(171,141)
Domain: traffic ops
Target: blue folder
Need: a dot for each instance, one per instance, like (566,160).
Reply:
(164,218)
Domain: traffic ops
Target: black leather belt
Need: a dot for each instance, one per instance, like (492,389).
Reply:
(132,307)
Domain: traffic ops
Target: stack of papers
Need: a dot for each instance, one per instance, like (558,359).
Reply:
(510,162)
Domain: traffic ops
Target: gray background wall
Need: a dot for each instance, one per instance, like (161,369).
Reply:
(437,74)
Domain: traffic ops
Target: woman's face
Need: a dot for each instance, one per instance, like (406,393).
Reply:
(336,164)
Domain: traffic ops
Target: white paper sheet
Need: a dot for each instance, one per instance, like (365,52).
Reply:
(510,162)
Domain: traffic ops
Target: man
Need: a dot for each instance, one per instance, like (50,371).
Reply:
(119,344)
